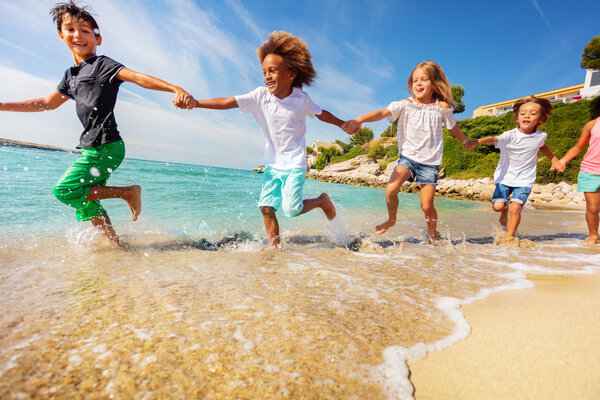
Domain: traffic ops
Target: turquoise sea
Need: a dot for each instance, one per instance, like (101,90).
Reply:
(196,305)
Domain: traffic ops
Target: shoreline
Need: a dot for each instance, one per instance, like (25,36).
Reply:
(28,145)
(362,171)
(535,343)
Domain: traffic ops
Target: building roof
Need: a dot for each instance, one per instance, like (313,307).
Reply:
(326,145)
(544,95)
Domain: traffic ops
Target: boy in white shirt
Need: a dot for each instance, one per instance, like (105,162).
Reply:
(517,169)
(280,109)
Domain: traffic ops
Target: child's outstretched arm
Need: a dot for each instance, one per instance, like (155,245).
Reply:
(53,101)
(574,151)
(545,150)
(328,117)
(467,144)
(182,98)
(218,103)
(352,126)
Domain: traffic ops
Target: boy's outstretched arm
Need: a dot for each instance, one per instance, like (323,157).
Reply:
(218,103)
(545,150)
(328,117)
(182,98)
(487,140)
(53,101)
(352,126)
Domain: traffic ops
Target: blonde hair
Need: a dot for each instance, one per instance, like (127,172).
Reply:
(295,54)
(441,87)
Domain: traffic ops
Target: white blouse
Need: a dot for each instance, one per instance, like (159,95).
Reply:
(420,136)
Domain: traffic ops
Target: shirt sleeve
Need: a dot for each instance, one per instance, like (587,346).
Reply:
(396,108)
(107,69)
(63,87)
(448,118)
(311,108)
(503,140)
(248,102)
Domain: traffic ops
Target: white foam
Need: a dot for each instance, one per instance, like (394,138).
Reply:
(393,372)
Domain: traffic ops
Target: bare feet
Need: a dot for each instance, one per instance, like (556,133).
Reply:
(504,217)
(590,240)
(327,206)
(133,197)
(385,226)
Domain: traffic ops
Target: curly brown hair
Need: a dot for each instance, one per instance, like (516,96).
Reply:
(295,54)
(77,13)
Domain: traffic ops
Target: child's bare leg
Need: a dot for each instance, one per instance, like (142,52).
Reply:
(514,218)
(131,194)
(323,202)
(271,225)
(431,216)
(503,210)
(398,177)
(102,222)
(592,212)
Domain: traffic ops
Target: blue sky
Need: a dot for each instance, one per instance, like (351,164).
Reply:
(363,53)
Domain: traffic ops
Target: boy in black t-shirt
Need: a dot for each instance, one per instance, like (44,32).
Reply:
(93,83)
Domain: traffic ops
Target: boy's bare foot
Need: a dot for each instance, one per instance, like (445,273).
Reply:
(504,217)
(134,200)
(385,226)
(327,206)
(593,239)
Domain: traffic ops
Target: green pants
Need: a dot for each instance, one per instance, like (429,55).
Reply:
(93,168)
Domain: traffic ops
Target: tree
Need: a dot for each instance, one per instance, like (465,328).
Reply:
(345,146)
(457,93)
(391,130)
(591,54)
(364,135)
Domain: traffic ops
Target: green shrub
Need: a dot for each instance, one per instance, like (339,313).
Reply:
(376,152)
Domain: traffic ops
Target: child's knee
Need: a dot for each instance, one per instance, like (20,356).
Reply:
(515,208)
(267,211)
(428,207)
(498,206)
(291,209)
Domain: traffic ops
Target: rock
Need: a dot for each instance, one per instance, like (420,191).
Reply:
(259,170)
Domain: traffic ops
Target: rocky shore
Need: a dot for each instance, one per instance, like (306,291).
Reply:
(27,145)
(363,171)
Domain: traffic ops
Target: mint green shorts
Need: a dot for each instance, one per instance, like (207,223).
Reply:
(93,168)
(283,187)
(587,182)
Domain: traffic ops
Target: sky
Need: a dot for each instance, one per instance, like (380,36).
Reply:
(363,52)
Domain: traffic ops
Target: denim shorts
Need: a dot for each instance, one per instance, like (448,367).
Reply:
(519,194)
(423,174)
(283,187)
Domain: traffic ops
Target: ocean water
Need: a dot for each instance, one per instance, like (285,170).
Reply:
(196,305)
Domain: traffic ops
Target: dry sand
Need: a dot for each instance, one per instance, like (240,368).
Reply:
(538,343)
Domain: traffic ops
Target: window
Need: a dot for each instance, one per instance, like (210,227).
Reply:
(595,79)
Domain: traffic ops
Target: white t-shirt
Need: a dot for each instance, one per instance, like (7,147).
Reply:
(518,157)
(420,135)
(283,124)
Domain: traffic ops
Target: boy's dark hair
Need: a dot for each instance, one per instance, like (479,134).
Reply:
(76,12)
(595,108)
(295,54)
(545,105)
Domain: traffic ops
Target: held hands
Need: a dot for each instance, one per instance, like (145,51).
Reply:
(351,126)
(183,99)
(558,166)
(470,144)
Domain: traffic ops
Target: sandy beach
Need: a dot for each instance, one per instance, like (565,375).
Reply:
(538,343)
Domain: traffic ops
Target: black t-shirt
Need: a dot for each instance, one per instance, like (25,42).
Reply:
(94,87)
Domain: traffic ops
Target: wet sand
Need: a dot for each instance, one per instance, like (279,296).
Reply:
(538,343)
